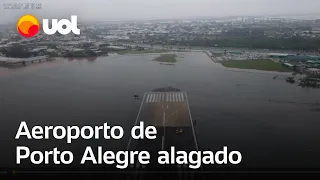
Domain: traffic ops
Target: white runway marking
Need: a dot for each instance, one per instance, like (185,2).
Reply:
(164,129)
(148,98)
(165,97)
(153,97)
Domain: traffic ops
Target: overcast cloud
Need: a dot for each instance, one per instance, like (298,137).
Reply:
(159,9)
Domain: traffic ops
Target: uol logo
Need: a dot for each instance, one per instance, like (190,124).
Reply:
(28,26)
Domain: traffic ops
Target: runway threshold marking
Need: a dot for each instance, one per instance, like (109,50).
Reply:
(156,97)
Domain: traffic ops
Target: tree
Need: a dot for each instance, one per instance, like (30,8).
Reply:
(16,51)
(52,46)
(90,53)
(86,45)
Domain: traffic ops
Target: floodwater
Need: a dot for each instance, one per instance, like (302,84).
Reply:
(272,123)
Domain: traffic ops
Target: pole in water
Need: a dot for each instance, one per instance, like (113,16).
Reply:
(195,121)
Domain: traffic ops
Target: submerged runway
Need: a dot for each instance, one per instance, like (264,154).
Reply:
(169,112)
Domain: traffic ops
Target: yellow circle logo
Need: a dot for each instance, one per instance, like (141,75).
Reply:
(28,26)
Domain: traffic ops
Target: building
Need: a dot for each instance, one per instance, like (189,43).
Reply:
(22,61)
(290,66)
(313,64)
(277,55)
(39,50)
(117,48)
(313,71)
(304,58)
(235,52)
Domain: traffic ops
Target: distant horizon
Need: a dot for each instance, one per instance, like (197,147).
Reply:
(289,15)
(146,10)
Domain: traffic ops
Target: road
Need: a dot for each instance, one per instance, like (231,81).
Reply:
(169,112)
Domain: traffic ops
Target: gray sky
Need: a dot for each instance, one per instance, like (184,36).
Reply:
(159,9)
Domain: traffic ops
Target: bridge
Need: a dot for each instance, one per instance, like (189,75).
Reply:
(169,112)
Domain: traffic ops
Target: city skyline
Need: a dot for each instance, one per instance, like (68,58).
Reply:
(121,10)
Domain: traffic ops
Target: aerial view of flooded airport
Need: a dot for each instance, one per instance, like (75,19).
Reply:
(152,89)
(273,123)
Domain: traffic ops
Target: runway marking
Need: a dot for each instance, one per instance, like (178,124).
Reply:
(194,134)
(136,122)
(148,98)
(153,97)
(164,130)
(178,102)
(165,97)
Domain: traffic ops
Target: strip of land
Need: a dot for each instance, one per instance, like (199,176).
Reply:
(168,58)
(262,64)
(142,51)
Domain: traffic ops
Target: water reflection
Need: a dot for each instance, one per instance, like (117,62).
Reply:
(91,59)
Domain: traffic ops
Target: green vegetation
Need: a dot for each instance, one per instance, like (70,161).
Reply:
(168,58)
(86,53)
(142,51)
(261,42)
(217,53)
(263,64)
